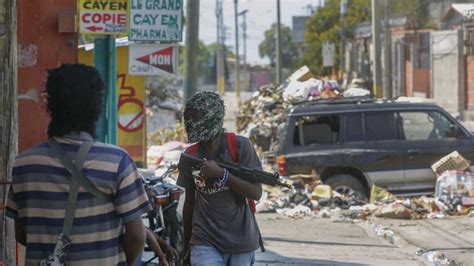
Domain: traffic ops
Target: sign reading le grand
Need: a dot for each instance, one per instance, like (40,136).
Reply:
(156,20)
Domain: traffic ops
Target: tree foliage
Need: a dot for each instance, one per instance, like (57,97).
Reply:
(325,25)
(267,47)
(204,60)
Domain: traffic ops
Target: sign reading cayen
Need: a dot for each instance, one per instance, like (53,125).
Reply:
(152,59)
(156,20)
(103,16)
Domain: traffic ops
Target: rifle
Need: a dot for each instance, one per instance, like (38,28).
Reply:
(190,163)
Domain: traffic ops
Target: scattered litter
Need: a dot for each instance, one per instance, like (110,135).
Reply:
(384,232)
(297,213)
(455,191)
(436,257)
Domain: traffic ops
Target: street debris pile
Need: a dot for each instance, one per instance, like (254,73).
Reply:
(309,197)
(166,154)
(163,105)
(160,95)
(260,117)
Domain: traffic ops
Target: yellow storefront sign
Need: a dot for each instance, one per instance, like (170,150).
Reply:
(131,108)
(103,17)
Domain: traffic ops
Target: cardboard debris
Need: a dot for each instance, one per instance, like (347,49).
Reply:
(302,74)
(394,211)
(380,195)
(452,161)
(322,192)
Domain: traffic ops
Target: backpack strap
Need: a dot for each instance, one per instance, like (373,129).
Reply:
(232,146)
(192,150)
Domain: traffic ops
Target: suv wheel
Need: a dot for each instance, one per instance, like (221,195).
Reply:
(347,185)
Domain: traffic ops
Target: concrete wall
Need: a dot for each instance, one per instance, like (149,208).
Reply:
(470,82)
(448,70)
(41,46)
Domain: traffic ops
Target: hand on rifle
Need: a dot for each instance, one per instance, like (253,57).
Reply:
(210,169)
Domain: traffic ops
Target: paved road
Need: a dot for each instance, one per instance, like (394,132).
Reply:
(315,241)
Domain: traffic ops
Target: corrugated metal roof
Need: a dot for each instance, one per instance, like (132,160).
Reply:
(118,42)
(466,10)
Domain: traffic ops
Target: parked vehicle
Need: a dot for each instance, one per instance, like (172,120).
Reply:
(164,220)
(354,143)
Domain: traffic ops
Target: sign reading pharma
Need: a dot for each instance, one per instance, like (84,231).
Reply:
(103,16)
(156,20)
(152,59)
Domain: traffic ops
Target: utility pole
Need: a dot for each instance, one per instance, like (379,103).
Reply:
(278,46)
(8,123)
(341,48)
(237,60)
(376,60)
(191,52)
(244,29)
(220,53)
(104,60)
(387,62)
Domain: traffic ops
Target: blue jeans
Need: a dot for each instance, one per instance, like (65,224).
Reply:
(209,256)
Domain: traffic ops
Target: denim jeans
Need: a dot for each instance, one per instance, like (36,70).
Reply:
(209,256)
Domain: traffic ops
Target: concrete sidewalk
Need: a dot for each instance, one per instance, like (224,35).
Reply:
(315,241)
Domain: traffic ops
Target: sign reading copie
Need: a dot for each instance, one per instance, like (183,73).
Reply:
(103,16)
(152,59)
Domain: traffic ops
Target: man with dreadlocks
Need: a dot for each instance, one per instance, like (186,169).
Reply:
(219,225)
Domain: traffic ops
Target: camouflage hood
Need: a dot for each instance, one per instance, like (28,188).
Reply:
(211,122)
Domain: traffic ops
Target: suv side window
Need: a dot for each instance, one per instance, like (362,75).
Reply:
(380,126)
(428,125)
(354,127)
(317,129)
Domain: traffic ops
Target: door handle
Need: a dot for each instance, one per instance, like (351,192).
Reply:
(413,152)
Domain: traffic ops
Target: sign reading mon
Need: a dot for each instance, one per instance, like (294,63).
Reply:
(103,16)
(156,20)
(152,59)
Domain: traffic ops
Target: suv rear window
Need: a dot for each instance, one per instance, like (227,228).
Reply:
(317,129)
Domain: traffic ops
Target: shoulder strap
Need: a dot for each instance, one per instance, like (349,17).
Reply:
(78,175)
(74,189)
(232,146)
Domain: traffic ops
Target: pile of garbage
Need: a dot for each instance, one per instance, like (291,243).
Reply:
(454,196)
(260,116)
(163,102)
(165,154)
(160,136)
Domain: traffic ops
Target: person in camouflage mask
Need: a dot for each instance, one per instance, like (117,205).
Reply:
(210,124)
(219,227)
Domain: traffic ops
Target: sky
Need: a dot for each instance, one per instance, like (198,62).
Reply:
(261,15)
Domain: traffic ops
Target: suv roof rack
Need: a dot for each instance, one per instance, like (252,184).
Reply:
(358,100)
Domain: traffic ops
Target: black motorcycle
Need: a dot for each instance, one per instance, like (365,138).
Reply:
(164,220)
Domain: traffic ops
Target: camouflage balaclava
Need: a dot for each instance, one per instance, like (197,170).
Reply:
(210,125)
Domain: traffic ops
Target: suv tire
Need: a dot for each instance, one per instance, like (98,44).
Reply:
(347,185)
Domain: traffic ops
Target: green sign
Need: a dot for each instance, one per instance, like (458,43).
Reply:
(156,20)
